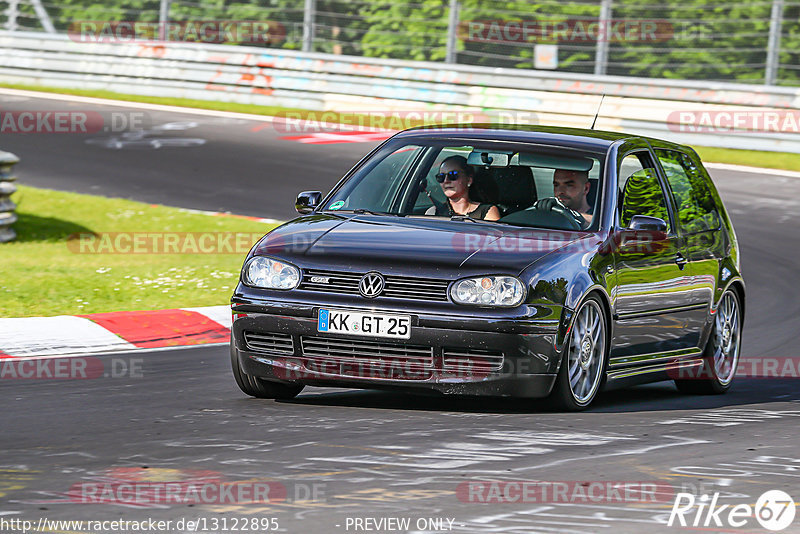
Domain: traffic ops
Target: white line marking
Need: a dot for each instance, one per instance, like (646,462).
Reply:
(115,353)
(684,441)
(181,109)
(218,314)
(62,334)
(754,170)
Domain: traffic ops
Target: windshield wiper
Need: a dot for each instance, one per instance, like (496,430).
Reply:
(459,217)
(362,211)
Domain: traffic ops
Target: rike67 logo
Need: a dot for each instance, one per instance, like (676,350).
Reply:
(774,510)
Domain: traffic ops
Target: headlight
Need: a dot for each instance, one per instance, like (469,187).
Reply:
(271,274)
(488,291)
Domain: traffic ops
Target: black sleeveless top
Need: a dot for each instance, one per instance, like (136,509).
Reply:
(478,213)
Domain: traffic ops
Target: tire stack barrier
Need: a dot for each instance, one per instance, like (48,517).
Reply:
(7,188)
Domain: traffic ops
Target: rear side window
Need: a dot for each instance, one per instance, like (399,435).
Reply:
(697,211)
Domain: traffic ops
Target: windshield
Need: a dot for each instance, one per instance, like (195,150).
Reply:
(510,183)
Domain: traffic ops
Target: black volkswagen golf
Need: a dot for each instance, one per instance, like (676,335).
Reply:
(500,261)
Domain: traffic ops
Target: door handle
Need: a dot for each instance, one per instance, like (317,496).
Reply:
(681,260)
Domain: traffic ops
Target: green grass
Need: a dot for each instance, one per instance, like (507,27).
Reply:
(787,161)
(775,160)
(44,273)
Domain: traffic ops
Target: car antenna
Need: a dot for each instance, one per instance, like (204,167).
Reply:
(602,96)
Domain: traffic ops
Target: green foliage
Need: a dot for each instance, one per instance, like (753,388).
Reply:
(698,39)
(409,31)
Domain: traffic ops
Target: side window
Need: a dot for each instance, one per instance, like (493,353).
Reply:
(694,202)
(378,188)
(640,191)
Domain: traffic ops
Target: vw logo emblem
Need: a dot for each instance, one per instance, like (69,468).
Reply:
(371,285)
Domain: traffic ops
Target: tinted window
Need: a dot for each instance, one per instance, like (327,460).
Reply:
(640,191)
(694,202)
(379,187)
(401,179)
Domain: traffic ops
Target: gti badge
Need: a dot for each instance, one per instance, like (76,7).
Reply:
(371,285)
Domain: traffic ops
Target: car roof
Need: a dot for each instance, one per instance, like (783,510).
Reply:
(581,138)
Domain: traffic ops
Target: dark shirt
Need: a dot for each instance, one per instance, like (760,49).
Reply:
(478,213)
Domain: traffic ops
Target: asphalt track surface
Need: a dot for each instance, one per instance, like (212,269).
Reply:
(179,415)
(223,164)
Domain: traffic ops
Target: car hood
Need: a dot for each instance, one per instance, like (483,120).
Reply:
(410,245)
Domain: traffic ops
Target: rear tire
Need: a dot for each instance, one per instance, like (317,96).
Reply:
(721,355)
(583,364)
(259,387)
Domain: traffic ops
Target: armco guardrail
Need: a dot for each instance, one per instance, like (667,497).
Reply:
(355,84)
(7,188)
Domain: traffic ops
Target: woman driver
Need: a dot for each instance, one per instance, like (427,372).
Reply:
(455,177)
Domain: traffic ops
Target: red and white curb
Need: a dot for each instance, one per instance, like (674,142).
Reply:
(65,335)
(327,138)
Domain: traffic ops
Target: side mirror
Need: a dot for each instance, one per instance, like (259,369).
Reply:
(307,201)
(652,224)
(642,236)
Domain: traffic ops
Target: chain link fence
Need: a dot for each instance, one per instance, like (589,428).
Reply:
(755,41)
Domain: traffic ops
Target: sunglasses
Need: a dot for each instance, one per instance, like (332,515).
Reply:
(451,176)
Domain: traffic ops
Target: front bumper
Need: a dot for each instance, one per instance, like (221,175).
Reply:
(494,357)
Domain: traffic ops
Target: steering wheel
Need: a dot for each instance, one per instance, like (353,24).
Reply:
(554,205)
(441,207)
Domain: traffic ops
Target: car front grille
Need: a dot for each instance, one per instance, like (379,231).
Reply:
(269,342)
(400,287)
(467,359)
(367,359)
(374,359)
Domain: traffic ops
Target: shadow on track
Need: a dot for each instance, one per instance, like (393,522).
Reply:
(646,398)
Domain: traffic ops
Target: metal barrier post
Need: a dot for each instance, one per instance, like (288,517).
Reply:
(308,25)
(163,20)
(44,18)
(601,52)
(452,31)
(7,188)
(12,12)
(774,50)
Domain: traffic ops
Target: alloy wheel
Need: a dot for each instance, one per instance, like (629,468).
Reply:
(586,352)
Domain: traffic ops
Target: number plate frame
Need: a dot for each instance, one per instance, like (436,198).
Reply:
(364,324)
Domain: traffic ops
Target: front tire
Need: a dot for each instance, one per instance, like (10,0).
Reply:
(584,361)
(721,356)
(258,387)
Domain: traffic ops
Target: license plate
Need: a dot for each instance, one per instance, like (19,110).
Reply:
(364,324)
